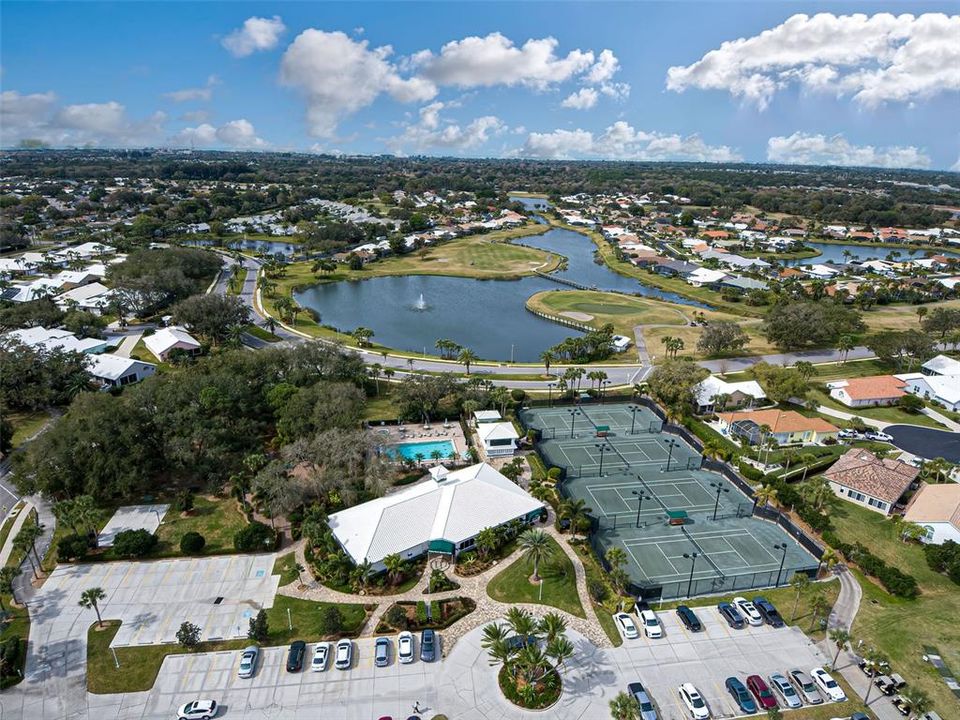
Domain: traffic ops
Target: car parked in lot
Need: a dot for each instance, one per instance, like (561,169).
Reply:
(321,657)
(889,684)
(344,657)
(647,709)
(877,435)
(761,692)
(741,696)
(805,686)
(768,612)
(405,647)
(689,618)
(248,661)
(748,611)
(381,652)
(827,685)
(295,656)
(784,691)
(197,710)
(428,645)
(626,625)
(651,624)
(691,697)
(729,613)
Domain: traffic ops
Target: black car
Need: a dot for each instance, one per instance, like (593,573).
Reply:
(768,612)
(689,618)
(298,649)
(428,645)
(731,615)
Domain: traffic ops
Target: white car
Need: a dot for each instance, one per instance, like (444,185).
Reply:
(626,625)
(197,710)
(749,611)
(344,657)
(828,685)
(321,656)
(651,624)
(694,701)
(405,647)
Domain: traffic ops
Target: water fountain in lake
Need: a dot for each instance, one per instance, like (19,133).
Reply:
(421,304)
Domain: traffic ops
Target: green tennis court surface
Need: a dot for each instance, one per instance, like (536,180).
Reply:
(633,476)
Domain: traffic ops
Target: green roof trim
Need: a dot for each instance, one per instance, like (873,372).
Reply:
(441,546)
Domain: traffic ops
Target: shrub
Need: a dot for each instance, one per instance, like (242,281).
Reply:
(9,655)
(188,635)
(133,543)
(435,613)
(910,403)
(71,547)
(192,543)
(518,395)
(598,591)
(396,617)
(421,612)
(255,537)
(554,474)
(183,502)
(331,620)
(259,628)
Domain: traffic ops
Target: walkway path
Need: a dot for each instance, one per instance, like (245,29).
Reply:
(842,415)
(941,418)
(128,344)
(14,529)
(474,587)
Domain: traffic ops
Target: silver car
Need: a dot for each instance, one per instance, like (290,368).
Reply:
(784,690)
(805,686)
(248,661)
(647,709)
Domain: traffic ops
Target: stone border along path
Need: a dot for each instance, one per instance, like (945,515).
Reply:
(474,587)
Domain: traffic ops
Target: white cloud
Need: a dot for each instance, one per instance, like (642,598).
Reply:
(495,60)
(195,116)
(956,166)
(256,34)
(808,149)
(617,91)
(198,93)
(236,133)
(339,76)
(582,99)
(620,141)
(38,117)
(874,59)
(432,131)
(605,68)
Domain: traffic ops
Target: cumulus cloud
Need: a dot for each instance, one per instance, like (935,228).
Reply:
(620,141)
(236,133)
(605,68)
(433,132)
(809,149)
(875,59)
(257,33)
(192,94)
(339,75)
(582,99)
(39,117)
(956,166)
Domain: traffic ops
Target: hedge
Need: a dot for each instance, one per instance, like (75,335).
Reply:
(893,579)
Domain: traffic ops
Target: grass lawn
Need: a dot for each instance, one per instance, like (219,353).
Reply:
(381,407)
(102,515)
(217,519)
(139,665)
(512,585)
(7,525)
(286,568)
(897,627)
(884,414)
(140,352)
(26,424)
(830,371)
(899,317)
(261,334)
(605,610)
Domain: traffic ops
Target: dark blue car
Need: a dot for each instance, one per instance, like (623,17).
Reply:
(768,612)
(731,615)
(741,696)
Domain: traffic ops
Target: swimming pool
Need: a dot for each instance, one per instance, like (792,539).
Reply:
(410,450)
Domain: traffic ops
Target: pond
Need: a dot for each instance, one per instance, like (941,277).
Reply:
(833,253)
(530,203)
(262,247)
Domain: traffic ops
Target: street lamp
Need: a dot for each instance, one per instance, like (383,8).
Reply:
(603,390)
(720,489)
(633,420)
(573,419)
(640,498)
(550,387)
(692,557)
(671,444)
(783,558)
(602,448)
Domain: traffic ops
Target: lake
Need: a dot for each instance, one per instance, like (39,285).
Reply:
(267,247)
(488,316)
(834,253)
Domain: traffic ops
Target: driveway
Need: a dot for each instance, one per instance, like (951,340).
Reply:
(926,442)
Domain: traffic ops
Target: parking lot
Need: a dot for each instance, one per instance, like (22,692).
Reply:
(709,657)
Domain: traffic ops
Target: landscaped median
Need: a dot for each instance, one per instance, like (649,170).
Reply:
(139,665)
(559,583)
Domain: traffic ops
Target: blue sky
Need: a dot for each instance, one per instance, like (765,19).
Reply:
(595,80)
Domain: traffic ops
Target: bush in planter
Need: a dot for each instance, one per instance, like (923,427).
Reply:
(554,474)
(421,612)
(396,617)
(255,537)
(598,591)
(331,620)
(192,543)
(133,543)
(72,547)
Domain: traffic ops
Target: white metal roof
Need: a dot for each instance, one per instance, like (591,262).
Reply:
(713,386)
(484,416)
(943,365)
(114,367)
(497,431)
(163,340)
(455,508)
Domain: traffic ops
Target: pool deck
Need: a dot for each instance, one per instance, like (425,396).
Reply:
(418,432)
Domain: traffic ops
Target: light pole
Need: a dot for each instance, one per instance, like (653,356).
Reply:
(640,498)
(671,444)
(720,489)
(602,448)
(603,390)
(633,420)
(550,387)
(783,558)
(573,419)
(692,557)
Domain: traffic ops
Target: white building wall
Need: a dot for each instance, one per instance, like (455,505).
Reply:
(859,498)
(939,532)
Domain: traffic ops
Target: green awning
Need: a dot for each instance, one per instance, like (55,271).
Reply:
(677,514)
(441,546)
(603,428)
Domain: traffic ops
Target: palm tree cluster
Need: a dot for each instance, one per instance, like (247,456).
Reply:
(672,345)
(532,651)
(448,348)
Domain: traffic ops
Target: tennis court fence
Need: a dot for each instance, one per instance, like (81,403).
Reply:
(628,519)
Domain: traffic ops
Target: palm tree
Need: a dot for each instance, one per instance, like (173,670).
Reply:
(87,514)
(819,607)
(766,495)
(487,541)
(362,335)
(493,633)
(918,700)
(575,512)
(560,649)
(420,458)
(877,660)
(91,599)
(7,575)
(467,357)
(375,374)
(799,582)
(807,459)
(394,565)
(839,637)
(64,512)
(623,707)
(829,558)
(537,546)
(845,345)
(32,533)
(547,358)
(553,625)
(521,622)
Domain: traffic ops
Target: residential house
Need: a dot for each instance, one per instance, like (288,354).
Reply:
(113,371)
(441,514)
(702,277)
(787,427)
(93,298)
(64,340)
(166,340)
(941,365)
(744,284)
(674,268)
(868,391)
(941,389)
(937,509)
(498,438)
(737,394)
(862,478)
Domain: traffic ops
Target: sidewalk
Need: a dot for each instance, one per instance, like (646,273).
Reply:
(14,529)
